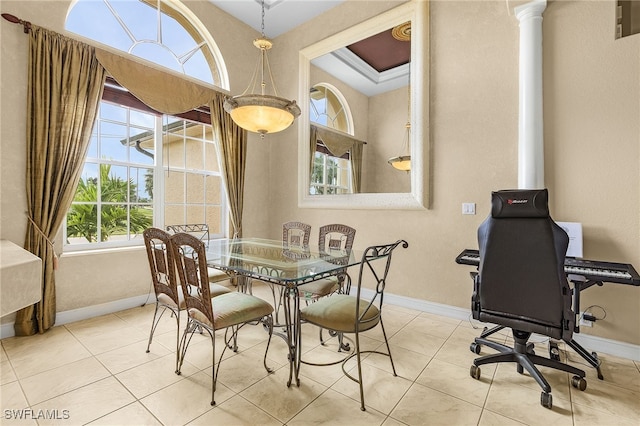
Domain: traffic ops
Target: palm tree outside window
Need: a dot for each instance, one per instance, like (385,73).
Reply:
(144,168)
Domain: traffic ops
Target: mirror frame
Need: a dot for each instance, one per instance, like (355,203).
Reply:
(416,11)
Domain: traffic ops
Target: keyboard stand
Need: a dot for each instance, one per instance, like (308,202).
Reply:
(579,284)
(591,358)
(582,274)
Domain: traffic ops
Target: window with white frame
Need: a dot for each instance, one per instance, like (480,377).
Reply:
(144,168)
(330,174)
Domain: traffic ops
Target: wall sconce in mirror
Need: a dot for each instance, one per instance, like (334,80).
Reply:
(260,112)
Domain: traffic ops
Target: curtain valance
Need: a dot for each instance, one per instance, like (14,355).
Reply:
(336,141)
(158,89)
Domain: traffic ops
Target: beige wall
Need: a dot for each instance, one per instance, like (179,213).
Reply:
(592,146)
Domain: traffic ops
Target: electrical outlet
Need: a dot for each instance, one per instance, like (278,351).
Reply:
(468,208)
(585,322)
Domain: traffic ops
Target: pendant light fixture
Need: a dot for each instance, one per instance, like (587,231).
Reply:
(403,162)
(261,112)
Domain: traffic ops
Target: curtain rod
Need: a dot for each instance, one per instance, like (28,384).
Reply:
(11,18)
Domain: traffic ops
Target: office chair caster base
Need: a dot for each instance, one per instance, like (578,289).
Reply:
(474,372)
(546,400)
(475,348)
(579,383)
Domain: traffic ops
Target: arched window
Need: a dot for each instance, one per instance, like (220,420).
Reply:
(329,108)
(144,168)
(164,32)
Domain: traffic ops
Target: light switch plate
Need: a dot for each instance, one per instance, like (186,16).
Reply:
(468,208)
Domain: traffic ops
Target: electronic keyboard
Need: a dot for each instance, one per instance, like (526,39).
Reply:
(592,270)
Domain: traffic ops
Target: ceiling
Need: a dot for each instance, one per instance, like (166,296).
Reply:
(280,15)
(372,66)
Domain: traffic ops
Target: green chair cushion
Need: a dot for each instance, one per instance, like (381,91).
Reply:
(338,312)
(217,290)
(216,275)
(319,288)
(232,309)
(164,299)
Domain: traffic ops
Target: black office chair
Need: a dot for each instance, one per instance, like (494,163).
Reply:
(521,284)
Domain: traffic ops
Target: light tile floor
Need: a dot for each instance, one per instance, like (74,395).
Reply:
(97,371)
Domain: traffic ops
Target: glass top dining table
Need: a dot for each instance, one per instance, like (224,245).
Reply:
(270,261)
(287,267)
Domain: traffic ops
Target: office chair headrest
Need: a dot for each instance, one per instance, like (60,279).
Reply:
(520,203)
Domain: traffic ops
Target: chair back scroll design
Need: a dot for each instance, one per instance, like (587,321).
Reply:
(190,257)
(336,237)
(199,230)
(376,262)
(295,235)
(164,280)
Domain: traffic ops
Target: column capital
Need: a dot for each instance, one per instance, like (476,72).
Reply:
(531,9)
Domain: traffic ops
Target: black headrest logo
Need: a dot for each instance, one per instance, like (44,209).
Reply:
(512,201)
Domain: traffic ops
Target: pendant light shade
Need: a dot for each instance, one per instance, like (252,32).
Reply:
(403,162)
(261,112)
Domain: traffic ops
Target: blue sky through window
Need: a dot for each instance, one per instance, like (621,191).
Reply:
(132,26)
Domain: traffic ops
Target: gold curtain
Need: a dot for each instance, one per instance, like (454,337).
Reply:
(356,167)
(338,143)
(177,94)
(232,144)
(65,87)
(313,145)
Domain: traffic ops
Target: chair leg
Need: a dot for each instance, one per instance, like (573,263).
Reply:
(384,333)
(178,355)
(269,324)
(184,344)
(359,371)
(214,369)
(154,324)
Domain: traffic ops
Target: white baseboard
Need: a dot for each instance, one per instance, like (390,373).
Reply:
(593,343)
(6,330)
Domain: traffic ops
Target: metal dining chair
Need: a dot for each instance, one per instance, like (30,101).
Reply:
(168,293)
(229,312)
(356,314)
(333,237)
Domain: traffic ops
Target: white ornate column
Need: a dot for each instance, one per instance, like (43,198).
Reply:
(530,118)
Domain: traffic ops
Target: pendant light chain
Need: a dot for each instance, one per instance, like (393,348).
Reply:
(262,27)
(265,60)
(260,112)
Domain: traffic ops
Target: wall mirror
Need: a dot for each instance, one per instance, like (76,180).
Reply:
(379,107)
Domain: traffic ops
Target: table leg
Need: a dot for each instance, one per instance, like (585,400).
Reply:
(292,325)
